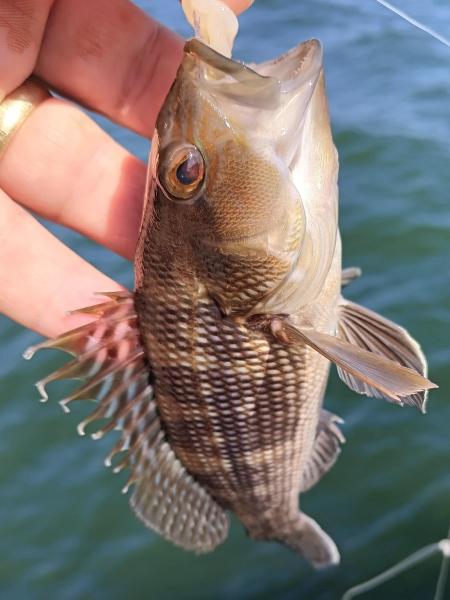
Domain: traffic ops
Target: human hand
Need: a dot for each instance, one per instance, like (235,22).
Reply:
(106,55)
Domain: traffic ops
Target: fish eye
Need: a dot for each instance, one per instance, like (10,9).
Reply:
(183,172)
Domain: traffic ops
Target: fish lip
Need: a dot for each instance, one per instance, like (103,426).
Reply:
(268,86)
(295,67)
(305,58)
(215,59)
(231,79)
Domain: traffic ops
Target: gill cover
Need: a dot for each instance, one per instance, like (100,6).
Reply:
(282,103)
(276,111)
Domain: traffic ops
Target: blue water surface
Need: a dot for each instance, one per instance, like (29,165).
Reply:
(65,529)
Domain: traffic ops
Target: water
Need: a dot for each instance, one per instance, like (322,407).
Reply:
(66,531)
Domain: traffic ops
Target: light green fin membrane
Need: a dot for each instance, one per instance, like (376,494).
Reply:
(365,371)
(327,447)
(350,274)
(365,329)
(110,362)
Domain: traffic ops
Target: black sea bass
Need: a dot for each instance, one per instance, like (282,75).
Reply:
(215,367)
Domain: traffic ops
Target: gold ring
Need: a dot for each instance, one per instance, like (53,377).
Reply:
(17,106)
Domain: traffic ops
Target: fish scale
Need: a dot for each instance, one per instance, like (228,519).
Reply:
(209,371)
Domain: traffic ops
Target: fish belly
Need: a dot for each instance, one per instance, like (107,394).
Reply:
(240,410)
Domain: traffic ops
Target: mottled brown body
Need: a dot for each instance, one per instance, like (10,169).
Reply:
(240,409)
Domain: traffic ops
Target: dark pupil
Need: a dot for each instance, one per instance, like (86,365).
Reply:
(188,171)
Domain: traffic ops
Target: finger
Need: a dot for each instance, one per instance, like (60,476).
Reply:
(112,57)
(63,166)
(22,24)
(106,53)
(238,6)
(42,278)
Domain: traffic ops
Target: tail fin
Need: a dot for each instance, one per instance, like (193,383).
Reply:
(308,539)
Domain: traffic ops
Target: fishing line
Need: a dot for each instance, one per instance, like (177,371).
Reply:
(443,572)
(442,547)
(414,22)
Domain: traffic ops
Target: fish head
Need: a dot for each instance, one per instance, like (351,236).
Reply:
(226,144)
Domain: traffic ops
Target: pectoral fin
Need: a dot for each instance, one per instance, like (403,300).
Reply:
(365,371)
(111,363)
(365,329)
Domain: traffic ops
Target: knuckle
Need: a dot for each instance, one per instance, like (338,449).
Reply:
(21,26)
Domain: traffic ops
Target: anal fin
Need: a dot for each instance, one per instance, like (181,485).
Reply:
(327,447)
(111,363)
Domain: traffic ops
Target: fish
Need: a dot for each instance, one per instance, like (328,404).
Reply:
(214,367)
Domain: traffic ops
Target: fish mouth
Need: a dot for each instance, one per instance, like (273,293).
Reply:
(230,79)
(265,85)
(294,68)
(269,99)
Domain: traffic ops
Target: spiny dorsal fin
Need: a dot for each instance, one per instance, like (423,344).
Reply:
(361,366)
(110,362)
(349,274)
(327,447)
(367,330)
